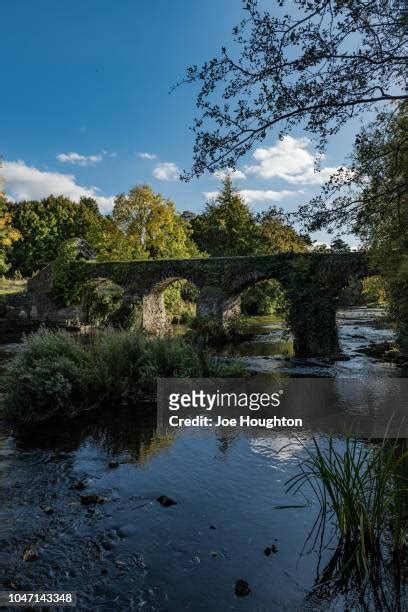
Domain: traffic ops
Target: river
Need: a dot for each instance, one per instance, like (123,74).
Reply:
(131,553)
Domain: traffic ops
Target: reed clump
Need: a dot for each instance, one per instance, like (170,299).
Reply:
(363,486)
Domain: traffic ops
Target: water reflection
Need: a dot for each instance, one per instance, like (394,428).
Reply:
(129,552)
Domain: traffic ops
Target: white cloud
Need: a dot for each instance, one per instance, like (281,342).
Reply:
(234,174)
(147,155)
(257,195)
(166,171)
(290,160)
(265,195)
(210,195)
(28,183)
(80,160)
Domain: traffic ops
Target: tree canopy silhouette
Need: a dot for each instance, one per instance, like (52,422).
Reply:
(320,65)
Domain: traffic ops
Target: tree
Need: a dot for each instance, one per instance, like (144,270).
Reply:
(369,197)
(373,200)
(227,226)
(152,225)
(277,235)
(320,248)
(8,234)
(350,201)
(338,245)
(44,225)
(324,63)
(109,242)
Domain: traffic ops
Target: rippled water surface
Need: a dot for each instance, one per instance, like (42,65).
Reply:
(129,552)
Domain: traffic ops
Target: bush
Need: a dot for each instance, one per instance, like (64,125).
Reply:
(47,379)
(373,289)
(56,376)
(127,316)
(187,318)
(207,330)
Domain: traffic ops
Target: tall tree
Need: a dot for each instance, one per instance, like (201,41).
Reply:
(227,226)
(373,199)
(319,65)
(152,224)
(8,234)
(338,245)
(44,225)
(109,242)
(277,235)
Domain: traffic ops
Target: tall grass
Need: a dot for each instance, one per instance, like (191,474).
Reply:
(55,376)
(364,488)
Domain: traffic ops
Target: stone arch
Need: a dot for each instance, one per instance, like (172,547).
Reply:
(312,286)
(154,316)
(250,279)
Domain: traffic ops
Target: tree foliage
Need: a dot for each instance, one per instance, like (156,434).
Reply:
(152,225)
(143,225)
(338,245)
(277,235)
(317,65)
(372,199)
(8,234)
(226,227)
(370,191)
(44,225)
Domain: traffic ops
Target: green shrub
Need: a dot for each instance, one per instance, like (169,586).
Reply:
(56,376)
(127,316)
(179,298)
(207,330)
(187,318)
(374,290)
(47,379)
(126,364)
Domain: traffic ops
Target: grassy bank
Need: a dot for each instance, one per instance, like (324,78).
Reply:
(8,286)
(56,376)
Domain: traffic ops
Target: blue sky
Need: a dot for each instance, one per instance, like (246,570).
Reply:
(85,91)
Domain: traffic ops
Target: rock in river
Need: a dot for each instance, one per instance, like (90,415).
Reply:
(242,588)
(166,501)
(91,499)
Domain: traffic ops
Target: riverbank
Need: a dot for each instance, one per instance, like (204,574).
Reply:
(55,376)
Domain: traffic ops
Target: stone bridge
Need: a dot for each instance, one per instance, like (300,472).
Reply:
(312,283)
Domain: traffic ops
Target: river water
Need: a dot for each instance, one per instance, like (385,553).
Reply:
(128,552)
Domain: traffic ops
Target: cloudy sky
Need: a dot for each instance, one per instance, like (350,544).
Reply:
(86,109)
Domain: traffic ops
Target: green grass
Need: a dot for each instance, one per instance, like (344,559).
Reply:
(364,489)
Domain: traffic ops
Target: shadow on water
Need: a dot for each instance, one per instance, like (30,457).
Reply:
(233,519)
